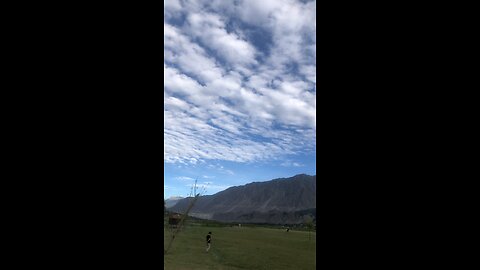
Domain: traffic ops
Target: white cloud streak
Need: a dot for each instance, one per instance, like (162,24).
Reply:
(224,98)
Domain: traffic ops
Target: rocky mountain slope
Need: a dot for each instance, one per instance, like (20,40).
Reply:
(279,201)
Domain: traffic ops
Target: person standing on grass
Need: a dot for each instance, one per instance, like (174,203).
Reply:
(209,240)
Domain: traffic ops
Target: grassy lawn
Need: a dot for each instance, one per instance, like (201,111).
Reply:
(240,248)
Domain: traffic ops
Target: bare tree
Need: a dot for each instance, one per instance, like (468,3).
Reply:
(184,216)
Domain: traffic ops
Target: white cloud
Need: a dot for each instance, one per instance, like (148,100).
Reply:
(211,30)
(289,163)
(172,8)
(223,99)
(184,178)
(189,56)
(180,83)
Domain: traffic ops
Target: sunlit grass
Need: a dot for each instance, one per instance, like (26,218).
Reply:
(241,248)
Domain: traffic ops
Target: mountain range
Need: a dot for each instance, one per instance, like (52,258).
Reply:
(170,202)
(278,201)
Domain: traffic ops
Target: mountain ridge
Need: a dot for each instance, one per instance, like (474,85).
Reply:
(172,201)
(273,201)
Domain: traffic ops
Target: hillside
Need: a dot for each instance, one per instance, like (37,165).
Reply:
(278,201)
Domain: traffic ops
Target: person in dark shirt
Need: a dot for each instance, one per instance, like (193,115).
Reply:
(209,240)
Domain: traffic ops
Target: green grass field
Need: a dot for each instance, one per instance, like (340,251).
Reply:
(240,248)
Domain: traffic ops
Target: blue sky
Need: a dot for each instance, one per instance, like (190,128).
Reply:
(239,92)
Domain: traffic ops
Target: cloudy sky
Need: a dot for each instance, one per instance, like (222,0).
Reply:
(239,92)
